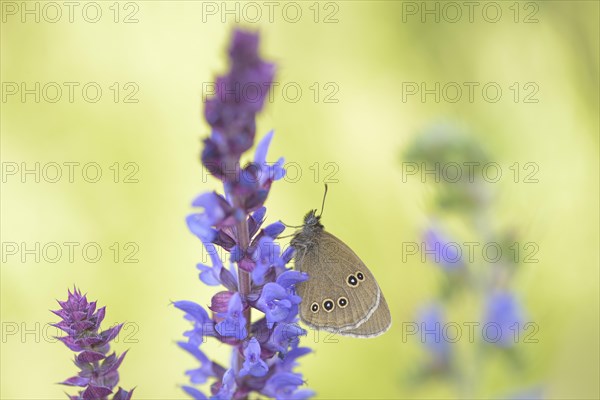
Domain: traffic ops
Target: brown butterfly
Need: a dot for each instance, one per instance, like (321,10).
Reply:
(341,294)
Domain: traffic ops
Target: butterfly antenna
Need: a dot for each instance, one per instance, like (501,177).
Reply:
(291,226)
(323,203)
(286,236)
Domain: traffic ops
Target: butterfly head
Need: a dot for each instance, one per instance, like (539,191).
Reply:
(312,224)
(312,220)
(305,237)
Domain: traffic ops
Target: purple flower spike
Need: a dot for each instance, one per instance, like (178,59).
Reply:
(81,322)
(265,352)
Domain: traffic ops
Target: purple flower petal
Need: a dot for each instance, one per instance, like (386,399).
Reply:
(229,280)
(196,311)
(276,302)
(76,381)
(265,256)
(285,335)
(282,384)
(123,394)
(273,230)
(289,279)
(260,155)
(289,361)
(228,386)
(89,356)
(195,393)
(203,325)
(96,392)
(219,303)
(205,371)
(212,206)
(211,275)
(201,226)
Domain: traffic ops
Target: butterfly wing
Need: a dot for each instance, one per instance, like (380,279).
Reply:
(376,325)
(341,293)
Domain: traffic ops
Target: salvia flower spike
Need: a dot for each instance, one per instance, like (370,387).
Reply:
(264,352)
(98,375)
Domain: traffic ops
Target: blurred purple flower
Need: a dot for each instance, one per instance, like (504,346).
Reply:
(503,317)
(446,253)
(239,96)
(98,371)
(431,326)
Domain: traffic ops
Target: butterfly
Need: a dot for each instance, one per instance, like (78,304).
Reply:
(341,294)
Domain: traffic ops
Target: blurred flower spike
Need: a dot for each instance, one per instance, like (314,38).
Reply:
(463,199)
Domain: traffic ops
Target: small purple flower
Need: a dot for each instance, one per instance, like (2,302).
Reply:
(81,322)
(228,386)
(265,256)
(253,364)
(289,279)
(284,385)
(203,325)
(268,173)
(284,336)
(503,317)
(276,302)
(233,323)
(211,275)
(199,375)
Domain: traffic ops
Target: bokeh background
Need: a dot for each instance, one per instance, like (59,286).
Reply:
(358,53)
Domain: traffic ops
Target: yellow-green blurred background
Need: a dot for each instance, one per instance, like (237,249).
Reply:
(375,46)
